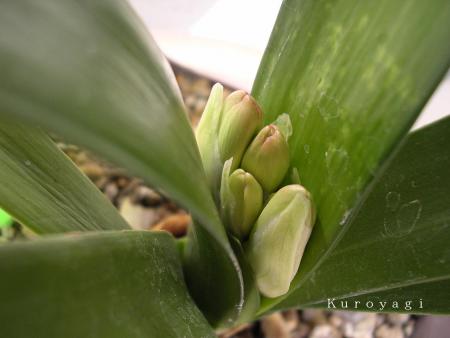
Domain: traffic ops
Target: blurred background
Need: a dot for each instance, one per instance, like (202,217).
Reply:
(199,35)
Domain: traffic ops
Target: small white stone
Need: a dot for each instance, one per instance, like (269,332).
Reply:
(365,327)
(137,216)
(397,318)
(384,331)
(325,331)
(409,328)
(314,316)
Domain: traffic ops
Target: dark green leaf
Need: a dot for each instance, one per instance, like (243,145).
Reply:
(352,75)
(110,284)
(397,246)
(44,190)
(212,280)
(88,70)
(429,297)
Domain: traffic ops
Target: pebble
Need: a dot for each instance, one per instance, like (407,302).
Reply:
(148,197)
(242,330)
(364,327)
(273,326)
(398,318)
(175,224)
(385,331)
(409,328)
(301,331)
(136,215)
(314,316)
(111,191)
(336,320)
(93,170)
(325,331)
(292,319)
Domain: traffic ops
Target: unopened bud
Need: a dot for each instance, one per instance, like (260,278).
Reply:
(241,120)
(278,239)
(206,136)
(267,158)
(242,200)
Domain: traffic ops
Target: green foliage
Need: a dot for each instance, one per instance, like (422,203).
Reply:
(353,75)
(44,190)
(5,219)
(108,284)
(396,248)
(90,72)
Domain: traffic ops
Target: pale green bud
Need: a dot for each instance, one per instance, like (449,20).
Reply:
(206,136)
(241,120)
(242,200)
(267,158)
(278,239)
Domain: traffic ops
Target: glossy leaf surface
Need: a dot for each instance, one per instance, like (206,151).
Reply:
(397,246)
(44,190)
(110,284)
(352,75)
(89,71)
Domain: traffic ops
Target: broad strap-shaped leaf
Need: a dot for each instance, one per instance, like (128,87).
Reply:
(407,299)
(397,247)
(352,75)
(109,284)
(44,190)
(88,70)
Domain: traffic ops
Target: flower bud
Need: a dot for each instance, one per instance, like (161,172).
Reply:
(278,239)
(206,136)
(242,201)
(267,158)
(241,120)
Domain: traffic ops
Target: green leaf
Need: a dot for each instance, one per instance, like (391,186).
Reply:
(353,75)
(44,190)
(109,284)
(430,297)
(397,246)
(213,282)
(5,219)
(89,71)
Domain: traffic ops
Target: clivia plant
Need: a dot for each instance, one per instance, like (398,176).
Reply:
(338,88)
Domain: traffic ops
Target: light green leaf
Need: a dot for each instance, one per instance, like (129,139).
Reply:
(397,246)
(352,75)
(109,284)
(5,219)
(89,71)
(44,190)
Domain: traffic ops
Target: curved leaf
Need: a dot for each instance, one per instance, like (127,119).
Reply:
(89,71)
(214,285)
(397,246)
(352,75)
(109,284)
(429,297)
(44,190)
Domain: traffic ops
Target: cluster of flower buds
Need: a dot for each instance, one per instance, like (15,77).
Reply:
(246,165)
